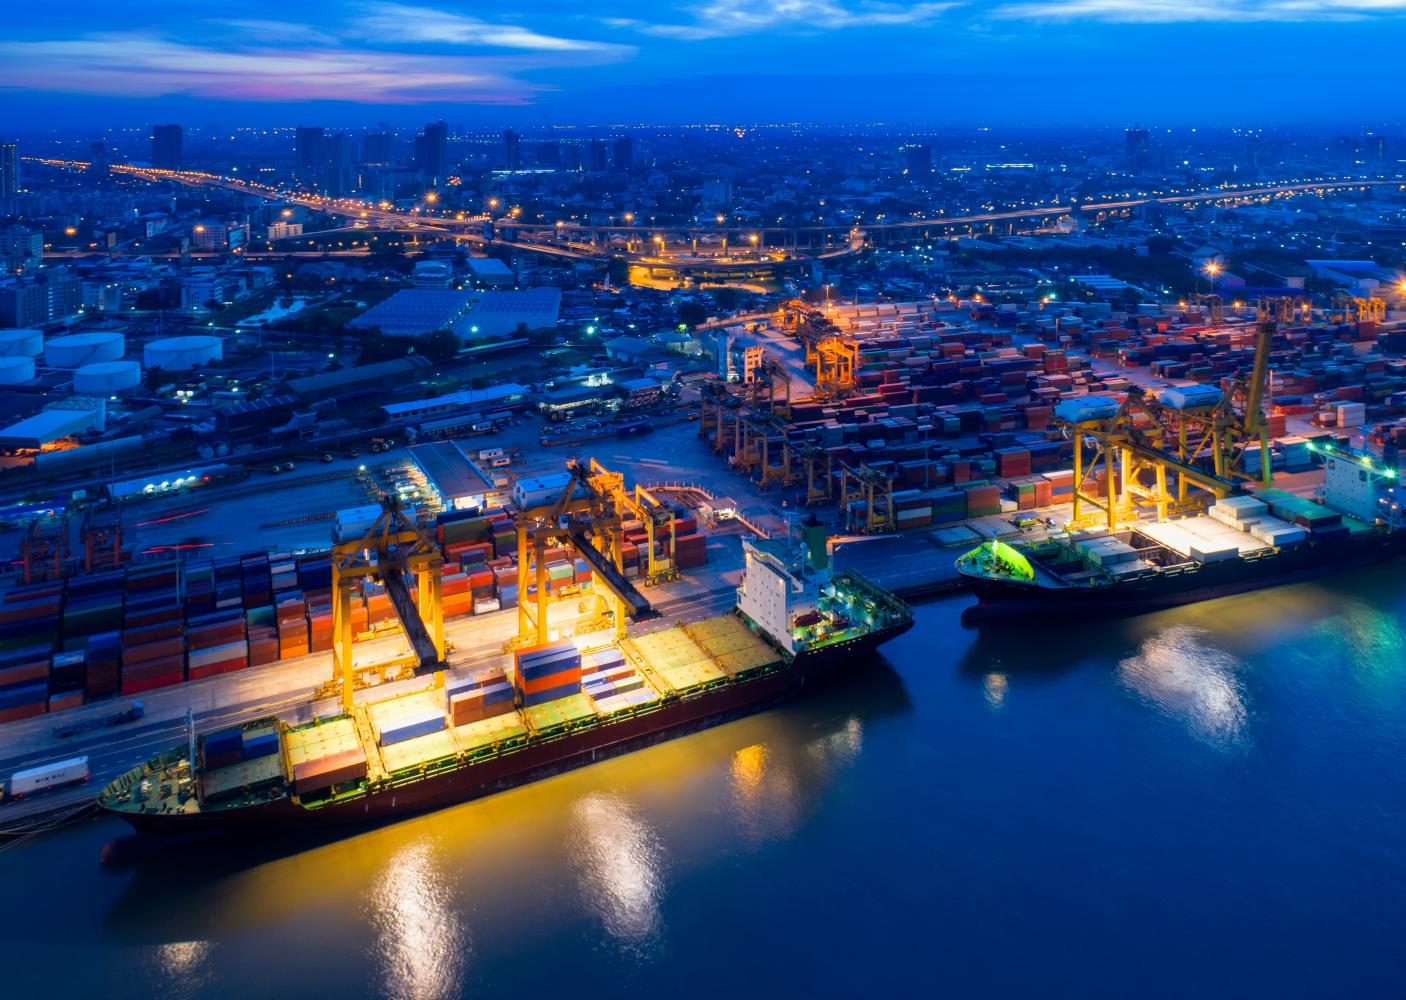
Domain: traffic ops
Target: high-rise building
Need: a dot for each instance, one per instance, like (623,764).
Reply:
(21,248)
(917,158)
(512,149)
(378,149)
(32,301)
(1137,143)
(337,176)
(599,160)
(308,143)
(1374,147)
(624,154)
(166,143)
(9,169)
(97,159)
(717,193)
(432,152)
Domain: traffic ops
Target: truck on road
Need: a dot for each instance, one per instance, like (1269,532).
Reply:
(58,774)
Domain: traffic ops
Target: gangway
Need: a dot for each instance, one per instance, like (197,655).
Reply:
(636,604)
(426,654)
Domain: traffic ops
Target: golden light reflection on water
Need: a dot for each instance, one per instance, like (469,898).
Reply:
(183,968)
(619,862)
(421,944)
(1178,670)
(994,685)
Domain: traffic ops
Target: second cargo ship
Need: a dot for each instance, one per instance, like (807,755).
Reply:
(1244,543)
(551,709)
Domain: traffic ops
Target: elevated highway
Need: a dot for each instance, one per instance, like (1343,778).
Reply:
(705,249)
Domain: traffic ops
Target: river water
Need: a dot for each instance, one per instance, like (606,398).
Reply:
(1207,801)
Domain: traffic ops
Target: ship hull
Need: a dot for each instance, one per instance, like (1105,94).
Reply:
(1001,599)
(531,763)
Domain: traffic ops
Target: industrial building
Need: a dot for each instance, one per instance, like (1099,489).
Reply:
(506,313)
(416,312)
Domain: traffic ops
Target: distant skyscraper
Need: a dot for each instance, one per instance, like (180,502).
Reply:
(166,143)
(1374,147)
(308,143)
(9,169)
(624,154)
(1137,143)
(432,151)
(599,160)
(917,158)
(378,148)
(717,193)
(337,175)
(512,149)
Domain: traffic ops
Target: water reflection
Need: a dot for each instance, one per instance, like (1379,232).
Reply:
(1179,671)
(182,968)
(1371,636)
(422,946)
(619,862)
(995,685)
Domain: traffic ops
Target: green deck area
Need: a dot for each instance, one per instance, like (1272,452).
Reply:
(418,751)
(256,774)
(486,732)
(571,710)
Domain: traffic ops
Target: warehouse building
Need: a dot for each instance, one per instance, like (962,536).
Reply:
(416,312)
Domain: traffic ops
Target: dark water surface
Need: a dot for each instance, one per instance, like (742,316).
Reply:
(1208,801)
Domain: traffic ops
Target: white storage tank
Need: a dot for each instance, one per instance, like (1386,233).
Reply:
(180,353)
(107,377)
(25,343)
(16,370)
(79,349)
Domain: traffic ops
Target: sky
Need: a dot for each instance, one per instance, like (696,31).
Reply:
(536,62)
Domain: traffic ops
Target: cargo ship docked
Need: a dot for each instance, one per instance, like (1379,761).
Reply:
(1243,543)
(553,707)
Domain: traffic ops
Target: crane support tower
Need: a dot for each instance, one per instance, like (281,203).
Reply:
(396,551)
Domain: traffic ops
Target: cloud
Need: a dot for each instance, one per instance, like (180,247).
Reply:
(1174,11)
(726,18)
(381,53)
(137,65)
(407,23)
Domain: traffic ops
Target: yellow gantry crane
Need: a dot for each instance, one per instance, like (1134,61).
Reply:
(397,552)
(589,515)
(1143,435)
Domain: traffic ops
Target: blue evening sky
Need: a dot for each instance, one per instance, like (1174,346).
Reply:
(624,61)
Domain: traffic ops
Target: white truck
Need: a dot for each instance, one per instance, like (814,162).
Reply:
(54,775)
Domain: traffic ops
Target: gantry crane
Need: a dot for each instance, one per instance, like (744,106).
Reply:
(101,534)
(44,548)
(836,365)
(1357,309)
(394,550)
(1142,434)
(589,515)
(875,488)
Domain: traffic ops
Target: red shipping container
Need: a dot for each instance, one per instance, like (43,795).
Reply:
(153,650)
(18,712)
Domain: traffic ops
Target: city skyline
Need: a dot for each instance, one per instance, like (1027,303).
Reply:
(824,61)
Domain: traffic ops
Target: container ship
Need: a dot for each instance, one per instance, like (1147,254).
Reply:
(1242,543)
(545,709)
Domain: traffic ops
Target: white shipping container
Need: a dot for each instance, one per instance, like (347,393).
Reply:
(55,775)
